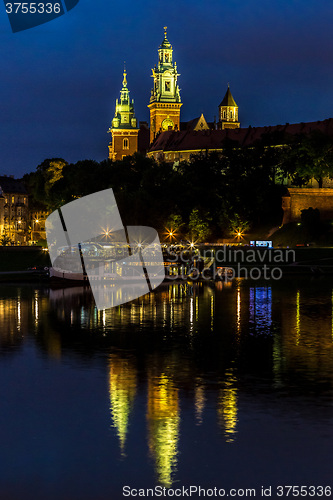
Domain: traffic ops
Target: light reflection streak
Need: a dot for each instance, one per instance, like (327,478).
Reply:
(199,401)
(163,419)
(227,406)
(238,311)
(122,390)
(19,313)
(298,318)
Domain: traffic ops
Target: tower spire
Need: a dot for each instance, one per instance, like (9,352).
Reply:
(124,125)
(165,99)
(228,111)
(125,79)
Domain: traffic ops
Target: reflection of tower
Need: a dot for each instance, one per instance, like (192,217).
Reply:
(122,388)
(227,406)
(163,425)
(165,98)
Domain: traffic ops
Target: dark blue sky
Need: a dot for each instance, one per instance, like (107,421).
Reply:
(59,81)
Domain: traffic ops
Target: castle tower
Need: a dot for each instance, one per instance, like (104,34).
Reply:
(124,131)
(165,98)
(228,112)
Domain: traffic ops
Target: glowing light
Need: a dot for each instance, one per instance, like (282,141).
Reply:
(239,233)
(37,221)
(170,233)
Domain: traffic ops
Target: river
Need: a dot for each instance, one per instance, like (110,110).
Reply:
(211,384)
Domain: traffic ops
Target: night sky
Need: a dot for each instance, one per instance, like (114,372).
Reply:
(59,81)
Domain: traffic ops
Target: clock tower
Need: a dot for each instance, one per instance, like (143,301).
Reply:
(165,100)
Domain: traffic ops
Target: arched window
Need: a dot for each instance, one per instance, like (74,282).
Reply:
(224,114)
(125,144)
(230,114)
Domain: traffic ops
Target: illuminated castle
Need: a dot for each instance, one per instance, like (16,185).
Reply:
(165,103)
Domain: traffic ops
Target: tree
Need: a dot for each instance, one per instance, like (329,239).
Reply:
(199,225)
(310,156)
(5,240)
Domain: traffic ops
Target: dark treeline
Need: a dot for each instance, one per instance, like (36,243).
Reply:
(208,197)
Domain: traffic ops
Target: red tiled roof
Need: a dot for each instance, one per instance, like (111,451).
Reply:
(189,140)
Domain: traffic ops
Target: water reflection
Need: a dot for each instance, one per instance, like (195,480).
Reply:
(193,349)
(163,419)
(122,388)
(227,406)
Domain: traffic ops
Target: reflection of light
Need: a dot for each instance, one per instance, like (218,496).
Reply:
(199,398)
(163,425)
(19,313)
(191,312)
(212,313)
(122,388)
(36,308)
(298,317)
(238,309)
(261,308)
(227,408)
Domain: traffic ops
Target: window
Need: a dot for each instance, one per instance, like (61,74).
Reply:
(167,86)
(125,144)
(166,57)
(230,114)
(13,199)
(223,114)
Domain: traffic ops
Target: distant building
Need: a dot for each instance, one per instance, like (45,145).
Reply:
(124,130)
(37,218)
(168,139)
(165,103)
(228,112)
(14,211)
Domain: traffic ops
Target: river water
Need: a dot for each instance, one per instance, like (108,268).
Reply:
(214,385)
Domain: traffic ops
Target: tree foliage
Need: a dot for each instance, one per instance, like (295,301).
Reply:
(210,195)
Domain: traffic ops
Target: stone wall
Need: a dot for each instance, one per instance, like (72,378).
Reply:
(299,199)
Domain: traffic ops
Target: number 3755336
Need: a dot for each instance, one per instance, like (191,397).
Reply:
(33,8)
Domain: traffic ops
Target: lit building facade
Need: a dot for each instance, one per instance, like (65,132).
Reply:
(14,212)
(228,112)
(124,130)
(165,100)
